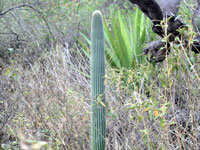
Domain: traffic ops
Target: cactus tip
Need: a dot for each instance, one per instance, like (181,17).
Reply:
(97,12)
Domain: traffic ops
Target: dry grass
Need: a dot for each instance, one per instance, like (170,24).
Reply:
(51,102)
(48,99)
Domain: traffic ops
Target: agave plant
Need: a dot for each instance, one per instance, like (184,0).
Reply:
(125,38)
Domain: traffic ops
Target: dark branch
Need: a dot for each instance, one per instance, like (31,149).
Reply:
(17,7)
(158,49)
(11,33)
(150,8)
(153,11)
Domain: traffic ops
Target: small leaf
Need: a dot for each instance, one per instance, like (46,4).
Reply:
(169,71)
(162,122)
(133,106)
(84,118)
(147,109)
(26,92)
(102,103)
(15,76)
(156,113)
(128,81)
(8,72)
(140,118)
(145,131)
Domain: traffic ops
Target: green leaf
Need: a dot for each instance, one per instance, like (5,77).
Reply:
(126,38)
(8,72)
(15,76)
(162,122)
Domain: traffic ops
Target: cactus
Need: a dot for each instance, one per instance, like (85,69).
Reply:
(98,121)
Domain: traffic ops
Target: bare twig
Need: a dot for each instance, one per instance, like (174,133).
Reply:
(31,7)
(17,7)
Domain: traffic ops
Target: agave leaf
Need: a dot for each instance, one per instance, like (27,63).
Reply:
(126,38)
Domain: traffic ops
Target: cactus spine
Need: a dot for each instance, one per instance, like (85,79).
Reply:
(98,121)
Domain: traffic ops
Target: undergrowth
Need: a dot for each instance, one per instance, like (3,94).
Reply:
(47,104)
(151,107)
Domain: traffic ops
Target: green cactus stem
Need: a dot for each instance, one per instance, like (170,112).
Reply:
(98,121)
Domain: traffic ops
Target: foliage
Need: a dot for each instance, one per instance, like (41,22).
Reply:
(45,93)
(125,35)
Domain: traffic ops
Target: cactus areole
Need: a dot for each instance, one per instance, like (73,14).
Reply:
(98,122)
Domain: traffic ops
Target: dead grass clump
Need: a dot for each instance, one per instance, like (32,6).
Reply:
(53,101)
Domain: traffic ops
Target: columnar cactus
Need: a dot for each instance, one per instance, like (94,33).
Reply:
(98,124)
